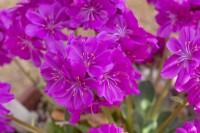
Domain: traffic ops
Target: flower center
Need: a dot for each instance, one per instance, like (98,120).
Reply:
(24,41)
(88,59)
(122,30)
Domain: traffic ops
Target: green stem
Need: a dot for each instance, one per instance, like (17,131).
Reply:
(25,72)
(40,88)
(25,126)
(129,114)
(171,117)
(160,99)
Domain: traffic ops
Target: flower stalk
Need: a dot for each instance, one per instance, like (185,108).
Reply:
(25,126)
(171,117)
(160,99)
(28,75)
(129,114)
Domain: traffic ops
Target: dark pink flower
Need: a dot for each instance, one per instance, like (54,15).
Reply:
(189,127)
(19,44)
(91,13)
(122,25)
(47,24)
(109,128)
(68,83)
(5,23)
(4,55)
(5,97)
(172,16)
(133,39)
(91,53)
(185,56)
(196,2)
(4,125)
(118,79)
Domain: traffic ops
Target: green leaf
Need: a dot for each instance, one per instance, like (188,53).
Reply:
(51,127)
(149,126)
(124,110)
(176,99)
(138,121)
(143,101)
(162,117)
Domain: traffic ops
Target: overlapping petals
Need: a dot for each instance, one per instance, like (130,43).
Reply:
(87,74)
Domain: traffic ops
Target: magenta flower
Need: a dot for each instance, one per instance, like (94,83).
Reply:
(120,4)
(19,44)
(109,128)
(5,23)
(192,84)
(118,79)
(122,25)
(4,55)
(152,1)
(88,73)
(189,127)
(47,24)
(91,13)
(5,97)
(4,125)
(133,39)
(91,53)
(172,16)
(51,68)
(185,56)
(196,2)
(68,83)
(135,51)
(77,91)
(194,22)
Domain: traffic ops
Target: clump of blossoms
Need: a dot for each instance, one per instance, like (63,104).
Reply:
(88,72)
(5,97)
(175,14)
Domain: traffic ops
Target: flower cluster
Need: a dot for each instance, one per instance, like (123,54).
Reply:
(184,63)
(175,14)
(110,128)
(30,26)
(88,73)
(5,97)
(189,127)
